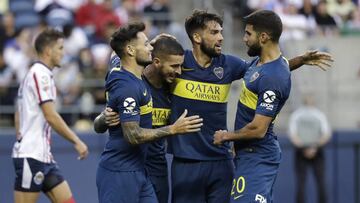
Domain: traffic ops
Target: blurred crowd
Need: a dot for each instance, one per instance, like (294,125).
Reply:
(306,18)
(88,25)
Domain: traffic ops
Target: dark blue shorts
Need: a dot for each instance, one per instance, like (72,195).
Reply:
(35,176)
(124,187)
(255,175)
(201,181)
(161,187)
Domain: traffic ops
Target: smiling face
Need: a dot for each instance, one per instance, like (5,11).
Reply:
(211,39)
(170,67)
(252,41)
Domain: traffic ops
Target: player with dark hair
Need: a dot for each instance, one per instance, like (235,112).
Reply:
(34,164)
(168,56)
(121,175)
(201,171)
(265,89)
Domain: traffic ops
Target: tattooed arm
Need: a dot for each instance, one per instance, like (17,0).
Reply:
(137,135)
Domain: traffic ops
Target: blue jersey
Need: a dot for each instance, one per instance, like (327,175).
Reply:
(131,98)
(155,160)
(204,91)
(265,89)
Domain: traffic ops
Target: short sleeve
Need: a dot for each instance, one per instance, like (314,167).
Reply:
(238,66)
(43,87)
(126,100)
(269,96)
(114,61)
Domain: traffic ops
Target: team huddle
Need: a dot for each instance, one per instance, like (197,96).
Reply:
(164,99)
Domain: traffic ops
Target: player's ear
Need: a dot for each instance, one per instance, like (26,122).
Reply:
(264,37)
(156,61)
(196,37)
(130,50)
(47,50)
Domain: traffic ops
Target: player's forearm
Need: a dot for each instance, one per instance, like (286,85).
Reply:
(59,125)
(16,123)
(296,63)
(137,135)
(100,124)
(249,131)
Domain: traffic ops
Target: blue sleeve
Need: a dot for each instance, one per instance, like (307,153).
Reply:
(238,66)
(114,62)
(125,99)
(269,95)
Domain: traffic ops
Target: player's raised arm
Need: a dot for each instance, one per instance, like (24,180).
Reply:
(321,60)
(59,125)
(137,135)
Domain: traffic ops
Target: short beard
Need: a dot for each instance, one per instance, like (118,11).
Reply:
(254,50)
(143,63)
(209,51)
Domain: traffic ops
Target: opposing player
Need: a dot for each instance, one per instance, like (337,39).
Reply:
(168,56)
(34,164)
(201,171)
(121,175)
(266,87)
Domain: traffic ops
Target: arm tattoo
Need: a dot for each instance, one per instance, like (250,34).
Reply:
(137,135)
(99,124)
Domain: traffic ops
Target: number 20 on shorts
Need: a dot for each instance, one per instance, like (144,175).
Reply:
(238,187)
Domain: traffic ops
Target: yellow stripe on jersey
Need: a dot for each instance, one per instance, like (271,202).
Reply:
(202,91)
(160,116)
(146,108)
(115,69)
(247,97)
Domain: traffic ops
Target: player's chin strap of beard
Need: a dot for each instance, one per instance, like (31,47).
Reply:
(70,200)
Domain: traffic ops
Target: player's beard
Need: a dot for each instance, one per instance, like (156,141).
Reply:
(208,50)
(254,50)
(143,62)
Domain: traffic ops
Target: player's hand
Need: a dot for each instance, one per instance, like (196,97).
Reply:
(159,36)
(219,137)
(186,124)
(310,152)
(111,118)
(322,60)
(82,149)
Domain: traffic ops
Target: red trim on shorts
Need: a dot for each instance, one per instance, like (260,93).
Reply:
(37,87)
(71,200)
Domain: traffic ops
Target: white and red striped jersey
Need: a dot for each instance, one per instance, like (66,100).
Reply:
(34,136)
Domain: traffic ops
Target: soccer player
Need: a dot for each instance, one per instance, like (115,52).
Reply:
(265,89)
(121,175)
(34,164)
(168,56)
(201,171)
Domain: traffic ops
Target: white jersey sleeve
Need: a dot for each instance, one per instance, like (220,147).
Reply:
(43,86)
